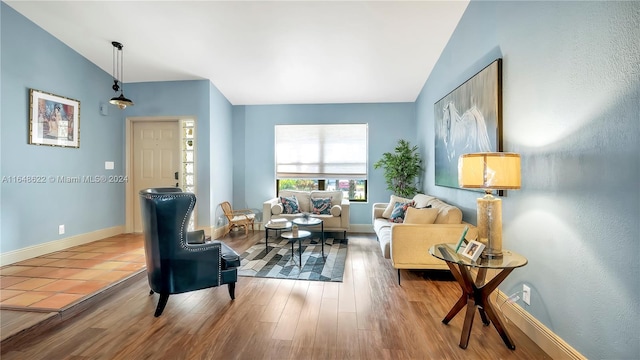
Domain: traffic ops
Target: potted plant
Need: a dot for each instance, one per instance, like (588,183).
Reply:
(401,169)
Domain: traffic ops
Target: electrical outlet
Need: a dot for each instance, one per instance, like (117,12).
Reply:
(60,229)
(526,294)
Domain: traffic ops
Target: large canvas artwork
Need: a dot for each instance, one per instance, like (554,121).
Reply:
(468,120)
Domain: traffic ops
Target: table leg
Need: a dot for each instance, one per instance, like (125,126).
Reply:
(483,316)
(299,250)
(266,239)
(485,291)
(463,298)
(475,294)
(322,230)
(468,322)
(455,309)
(470,291)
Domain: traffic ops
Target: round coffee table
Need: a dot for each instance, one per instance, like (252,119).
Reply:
(301,235)
(311,221)
(267,227)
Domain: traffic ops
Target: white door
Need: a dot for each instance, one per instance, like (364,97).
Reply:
(156,159)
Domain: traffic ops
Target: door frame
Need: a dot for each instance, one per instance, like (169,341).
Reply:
(130,195)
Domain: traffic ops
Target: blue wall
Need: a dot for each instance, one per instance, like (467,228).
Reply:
(222,152)
(387,124)
(571,109)
(182,99)
(31,213)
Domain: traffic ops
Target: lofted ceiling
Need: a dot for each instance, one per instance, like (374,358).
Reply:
(263,52)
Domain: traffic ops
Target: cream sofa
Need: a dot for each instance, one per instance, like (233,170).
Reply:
(407,244)
(337,220)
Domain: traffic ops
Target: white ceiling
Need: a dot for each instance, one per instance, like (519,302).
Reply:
(263,52)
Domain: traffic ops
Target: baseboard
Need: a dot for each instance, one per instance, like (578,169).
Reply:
(549,342)
(361,228)
(217,233)
(29,252)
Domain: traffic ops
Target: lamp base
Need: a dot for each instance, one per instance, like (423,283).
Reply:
(491,256)
(490,225)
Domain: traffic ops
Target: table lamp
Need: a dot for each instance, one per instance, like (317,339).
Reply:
(489,171)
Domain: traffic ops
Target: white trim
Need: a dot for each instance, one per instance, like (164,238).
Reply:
(361,228)
(29,252)
(549,342)
(218,233)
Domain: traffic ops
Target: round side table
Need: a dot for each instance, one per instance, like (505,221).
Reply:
(301,235)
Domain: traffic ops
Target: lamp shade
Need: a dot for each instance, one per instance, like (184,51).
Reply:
(489,170)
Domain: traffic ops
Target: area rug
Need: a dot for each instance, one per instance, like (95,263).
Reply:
(278,262)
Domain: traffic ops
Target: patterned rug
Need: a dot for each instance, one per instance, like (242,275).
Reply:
(278,262)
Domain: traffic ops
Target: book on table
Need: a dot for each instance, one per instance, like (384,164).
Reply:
(278,223)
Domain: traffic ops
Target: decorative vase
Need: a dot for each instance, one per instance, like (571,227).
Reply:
(294,230)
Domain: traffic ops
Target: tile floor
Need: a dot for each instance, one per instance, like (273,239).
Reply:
(55,281)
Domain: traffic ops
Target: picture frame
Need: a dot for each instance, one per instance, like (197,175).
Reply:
(462,239)
(53,120)
(473,250)
(468,120)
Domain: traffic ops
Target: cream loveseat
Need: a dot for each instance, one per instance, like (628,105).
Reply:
(430,222)
(336,220)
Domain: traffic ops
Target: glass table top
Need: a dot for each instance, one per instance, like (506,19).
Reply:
(448,253)
(307,221)
(301,235)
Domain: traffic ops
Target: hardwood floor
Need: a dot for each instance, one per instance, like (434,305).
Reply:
(368,316)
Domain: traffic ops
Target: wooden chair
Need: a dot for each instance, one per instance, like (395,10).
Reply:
(243,218)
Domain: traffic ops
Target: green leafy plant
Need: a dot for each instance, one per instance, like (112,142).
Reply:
(401,169)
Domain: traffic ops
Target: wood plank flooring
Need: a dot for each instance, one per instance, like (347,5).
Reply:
(368,316)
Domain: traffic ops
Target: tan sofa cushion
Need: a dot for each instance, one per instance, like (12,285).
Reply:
(336,210)
(392,202)
(276,209)
(420,216)
(422,200)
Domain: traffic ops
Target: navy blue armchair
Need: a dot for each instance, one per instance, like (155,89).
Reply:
(179,261)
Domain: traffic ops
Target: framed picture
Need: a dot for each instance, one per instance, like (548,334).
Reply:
(462,238)
(473,250)
(468,120)
(53,120)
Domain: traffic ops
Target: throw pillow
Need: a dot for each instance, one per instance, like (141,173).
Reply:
(392,202)
(321,206)
(422,200)
(290,205)
(399,210)
(420,216)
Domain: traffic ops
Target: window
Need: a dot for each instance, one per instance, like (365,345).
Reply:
(322,157)
(188,178)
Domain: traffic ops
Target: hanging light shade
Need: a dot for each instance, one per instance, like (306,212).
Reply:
(120,101)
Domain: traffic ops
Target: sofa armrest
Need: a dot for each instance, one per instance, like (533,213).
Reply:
(410,243)
(266,210)
(344,213)
(378,209)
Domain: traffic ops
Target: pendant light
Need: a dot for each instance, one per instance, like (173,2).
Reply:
(120,101)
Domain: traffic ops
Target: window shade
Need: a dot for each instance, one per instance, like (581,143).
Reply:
(321,151)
